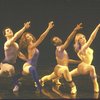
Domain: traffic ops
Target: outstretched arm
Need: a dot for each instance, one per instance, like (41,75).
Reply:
(19,33)
(71,36)
(71,61)
(91,38)
(44,34)
(22,56)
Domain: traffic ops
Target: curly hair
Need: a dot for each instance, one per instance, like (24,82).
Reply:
(23,44)
(23,41)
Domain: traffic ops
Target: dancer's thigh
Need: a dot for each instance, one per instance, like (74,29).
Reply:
(26,67)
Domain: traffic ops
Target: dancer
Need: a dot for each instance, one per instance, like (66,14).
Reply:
(61,69)
(85,53)
(11,50)
(29,43)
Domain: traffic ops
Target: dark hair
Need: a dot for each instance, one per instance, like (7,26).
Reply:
(3,30)
(56,44)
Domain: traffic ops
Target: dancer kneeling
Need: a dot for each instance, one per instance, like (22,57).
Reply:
(29,43)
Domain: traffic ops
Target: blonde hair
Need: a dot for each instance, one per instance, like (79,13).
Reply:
(77,45)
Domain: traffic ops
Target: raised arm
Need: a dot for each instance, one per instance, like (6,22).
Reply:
(44,34)
(92,37)
(71,36)
(20,32)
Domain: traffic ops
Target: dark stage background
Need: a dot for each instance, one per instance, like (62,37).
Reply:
(65,14)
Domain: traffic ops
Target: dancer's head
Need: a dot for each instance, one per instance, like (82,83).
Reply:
(56,41)
(26,39)
(7,32)
(80,40)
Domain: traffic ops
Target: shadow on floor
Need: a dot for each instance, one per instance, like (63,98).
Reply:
(49,91)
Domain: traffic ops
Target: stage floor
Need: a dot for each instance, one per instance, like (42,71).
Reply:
(50,90)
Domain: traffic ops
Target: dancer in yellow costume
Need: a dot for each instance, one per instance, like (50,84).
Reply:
(85,53)
(61,69)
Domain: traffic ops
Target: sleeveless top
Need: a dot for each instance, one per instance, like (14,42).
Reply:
(11,54)
(61,56)
(33,60)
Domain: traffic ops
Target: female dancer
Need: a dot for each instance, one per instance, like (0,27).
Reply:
(85,53)
(61,69)
(29,42)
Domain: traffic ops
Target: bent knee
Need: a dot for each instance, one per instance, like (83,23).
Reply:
(26,70)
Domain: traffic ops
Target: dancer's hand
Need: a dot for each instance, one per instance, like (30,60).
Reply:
(98,25)
(51,25)
(27,25)
(79,26)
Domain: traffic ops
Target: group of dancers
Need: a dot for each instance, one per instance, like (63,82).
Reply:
(28,42)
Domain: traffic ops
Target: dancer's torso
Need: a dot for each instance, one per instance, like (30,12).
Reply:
(33,56)
(86,56)
(11,53)
(61,56)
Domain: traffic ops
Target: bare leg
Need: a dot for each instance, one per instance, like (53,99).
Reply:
(74,72)
(85,69)
(47,78)
(68,78)
(94,79)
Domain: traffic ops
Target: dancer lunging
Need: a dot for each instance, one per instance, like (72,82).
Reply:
(85,53)
(29,43)
(61,69)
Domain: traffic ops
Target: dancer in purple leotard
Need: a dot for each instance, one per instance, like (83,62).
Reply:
(29,42)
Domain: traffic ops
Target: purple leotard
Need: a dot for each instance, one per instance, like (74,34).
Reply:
(33,60)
